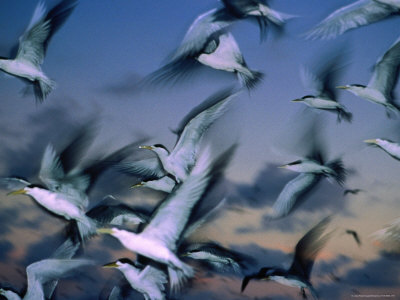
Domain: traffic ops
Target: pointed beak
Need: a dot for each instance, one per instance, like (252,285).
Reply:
(343,87)
(146,147)
(372,141)
(18,192)
(297,100)
(111,265)
(282,167)
(104,230)
(137,185)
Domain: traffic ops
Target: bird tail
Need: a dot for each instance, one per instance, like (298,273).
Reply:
(343,114)
(87,228)
(43,88)
(276,17)
(177,277)
(249,78)
(339,171)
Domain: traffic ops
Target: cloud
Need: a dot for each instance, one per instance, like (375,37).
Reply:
(5,248)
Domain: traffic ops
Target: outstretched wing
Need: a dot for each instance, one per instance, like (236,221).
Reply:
(148,168)
(307,249)
(356,14)
(33,43)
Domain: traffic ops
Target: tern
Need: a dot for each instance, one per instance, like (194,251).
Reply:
(208,42)
(355,236)
(298,275)
(354,15)
(33,45)
(67,186)
(148,280)
(380,88)
(322,85)
(160,237)
(216,256)
(390,147)
(42,272)
(390,235)
(190,131)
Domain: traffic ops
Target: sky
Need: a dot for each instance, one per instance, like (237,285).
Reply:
(98,59)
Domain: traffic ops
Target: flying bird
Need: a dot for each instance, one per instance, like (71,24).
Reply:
(298,275)
(207,42)
(321,83)
(352,191)
(44,271)
(32,48)
(355,235)
(148,280)
(389,236)
(354,15)
(214,255)
(190,131)
(390,147)
(66,185)
(161,236)
(380,88)
(313,167)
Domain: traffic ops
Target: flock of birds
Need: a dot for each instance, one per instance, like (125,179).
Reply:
(188,172)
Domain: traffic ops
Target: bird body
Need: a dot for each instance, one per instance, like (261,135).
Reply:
(392,148)
(310,166)
(33,45)
(298,275)
(149,280)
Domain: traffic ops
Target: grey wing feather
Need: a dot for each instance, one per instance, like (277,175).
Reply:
(33,43)
(145,168)
(51,170)
(386,70)
(292,191)
(189,140)
(13,183)
(354,15)
(170,218)
(308,248)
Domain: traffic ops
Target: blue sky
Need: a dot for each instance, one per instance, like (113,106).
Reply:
(98,57)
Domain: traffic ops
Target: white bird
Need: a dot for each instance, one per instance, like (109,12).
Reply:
(390,147)
(44,271)
(380,88)
(164,184)
(389,236)
(354,15)
(150,281)
(67,186)
(33,45)
(322,86)
(160,237)
(182,158)
(298,275)
(207,41)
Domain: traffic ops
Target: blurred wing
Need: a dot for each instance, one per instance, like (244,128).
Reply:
(189,140)
(307,249)
(198,35)
(13,183)
(386,71)
(294,189)
(310,81)
(172,215)
(145,168)
(51,171)
(46,270)
(356,14)
(33,43)
(152,277)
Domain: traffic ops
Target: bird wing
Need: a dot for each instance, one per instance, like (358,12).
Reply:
(51,171)
(188,142)
(152,277)
(292,191)
(13,183)
(199,33)
(146,168)
(46,270)
(33,43)
(307,249)
(351,16)
(386,70)
(105,213)
(171,216)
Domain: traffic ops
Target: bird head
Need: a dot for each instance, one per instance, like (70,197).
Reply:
(119,263)
(294,166)
(304,99)
(157,148)
(351,87)
(31,190)
(142,183)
